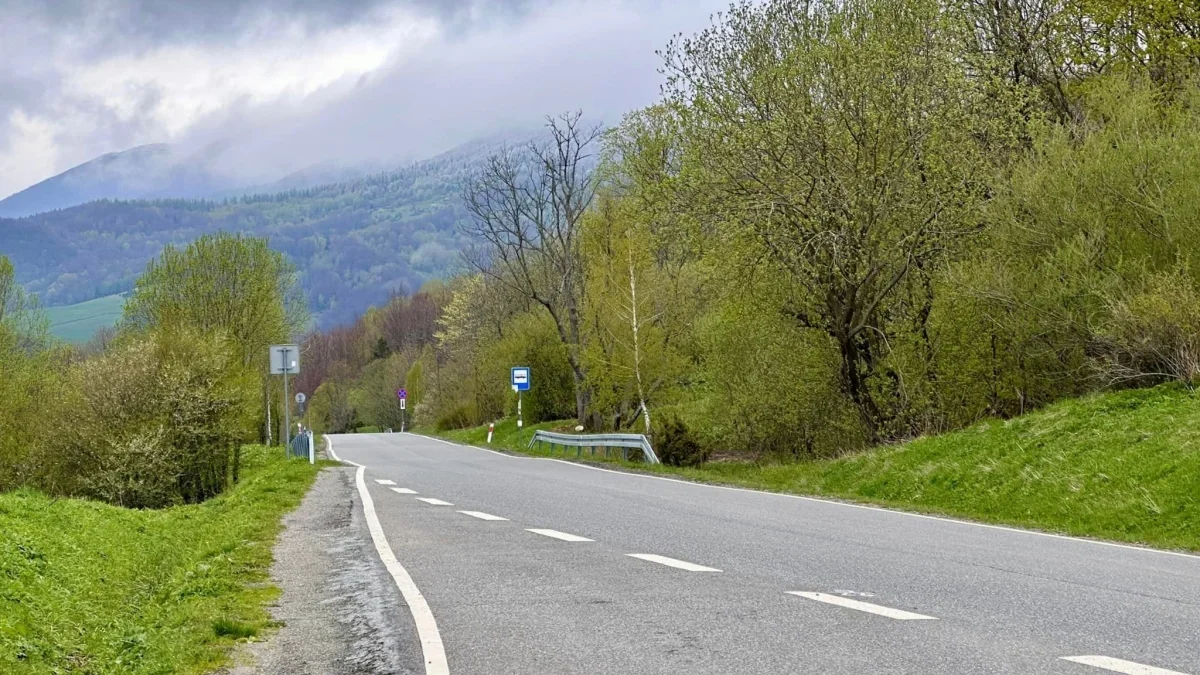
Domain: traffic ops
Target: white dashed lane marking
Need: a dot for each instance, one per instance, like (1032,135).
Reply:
(384,481)
(555,534)
(482,516)
(671,562)
(1119,666)
(880,610)
(434,502)
(404,491)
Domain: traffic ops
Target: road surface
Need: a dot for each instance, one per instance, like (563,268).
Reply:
(523,565)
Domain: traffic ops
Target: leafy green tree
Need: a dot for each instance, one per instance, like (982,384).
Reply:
(224,284)
(227,283)
(526,210)
(631,352)
(1054,47)
(1099,207)
(849,147)
(30,377)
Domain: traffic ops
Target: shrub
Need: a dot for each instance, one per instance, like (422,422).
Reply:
(676,445)
(151,423)
(459,417)
(772,388)
(1153,334)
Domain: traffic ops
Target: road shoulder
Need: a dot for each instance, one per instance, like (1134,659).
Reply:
(340,613)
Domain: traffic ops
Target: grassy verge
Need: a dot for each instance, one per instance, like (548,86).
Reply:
(91,588)
(1123,466)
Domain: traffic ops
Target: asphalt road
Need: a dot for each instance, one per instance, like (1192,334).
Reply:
(884,592)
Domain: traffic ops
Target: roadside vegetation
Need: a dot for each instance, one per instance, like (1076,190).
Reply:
(1122,466)
(154,413)
(131,519)
(843,226)
(90,588)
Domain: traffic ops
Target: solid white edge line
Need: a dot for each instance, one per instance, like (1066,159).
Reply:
(433,501)
(1119,666)
(878,509)
(833,502)
(671,562)
(471,447)
(481,515)
(403,491)
(880,610)
(431,640)
(555,534)
(329,449)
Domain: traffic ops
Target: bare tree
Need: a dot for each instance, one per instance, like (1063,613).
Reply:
(527,205)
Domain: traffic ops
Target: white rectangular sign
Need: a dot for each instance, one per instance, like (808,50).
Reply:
(285,358)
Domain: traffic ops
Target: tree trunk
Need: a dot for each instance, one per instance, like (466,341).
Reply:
(637,347)
(855,371)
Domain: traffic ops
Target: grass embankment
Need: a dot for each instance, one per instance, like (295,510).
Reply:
(91,588)
(1123,466)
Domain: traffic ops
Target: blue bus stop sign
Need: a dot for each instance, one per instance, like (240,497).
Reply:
(521,378)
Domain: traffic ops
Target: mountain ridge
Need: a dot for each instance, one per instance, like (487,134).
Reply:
(353,242)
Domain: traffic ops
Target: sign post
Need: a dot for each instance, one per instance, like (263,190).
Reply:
(285,360)
(301,399)
(520,383)
(403,394)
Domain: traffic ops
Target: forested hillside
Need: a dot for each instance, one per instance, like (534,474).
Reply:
(353,243)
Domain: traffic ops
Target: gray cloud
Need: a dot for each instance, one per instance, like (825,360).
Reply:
(491,66)
(110,25)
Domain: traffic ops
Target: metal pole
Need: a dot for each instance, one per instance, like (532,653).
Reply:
(520,422)
(287,409)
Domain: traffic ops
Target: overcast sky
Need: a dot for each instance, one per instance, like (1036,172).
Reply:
(284,84)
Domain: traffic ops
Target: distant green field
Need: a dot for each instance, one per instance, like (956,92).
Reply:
(78,323)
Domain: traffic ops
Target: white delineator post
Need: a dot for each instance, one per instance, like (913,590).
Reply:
(491,428)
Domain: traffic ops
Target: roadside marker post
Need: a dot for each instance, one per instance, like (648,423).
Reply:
(403,394)
(491,428)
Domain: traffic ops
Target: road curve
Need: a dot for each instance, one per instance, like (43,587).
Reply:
(541,566)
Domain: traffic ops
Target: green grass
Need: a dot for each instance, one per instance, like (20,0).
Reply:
(1123,466)
(78,323)
(90,588)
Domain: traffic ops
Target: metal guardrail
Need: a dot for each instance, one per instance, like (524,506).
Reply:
(303,447)
(593,441)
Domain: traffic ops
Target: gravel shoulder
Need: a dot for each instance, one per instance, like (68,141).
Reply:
(340,612)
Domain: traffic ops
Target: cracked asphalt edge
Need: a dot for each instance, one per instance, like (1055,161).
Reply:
(341,614)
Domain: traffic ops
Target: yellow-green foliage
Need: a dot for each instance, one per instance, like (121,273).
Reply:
(153,422)
(30,376)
